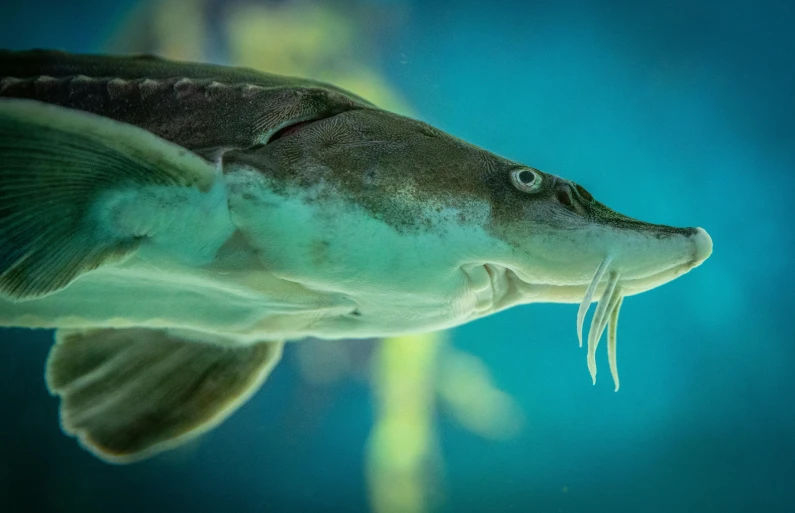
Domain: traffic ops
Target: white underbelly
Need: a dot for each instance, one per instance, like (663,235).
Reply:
(243,304)
(239,305)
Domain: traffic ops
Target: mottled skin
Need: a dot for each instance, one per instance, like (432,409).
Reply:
(199,106)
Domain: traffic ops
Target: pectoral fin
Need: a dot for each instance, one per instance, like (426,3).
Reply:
(129,394)
(56,165)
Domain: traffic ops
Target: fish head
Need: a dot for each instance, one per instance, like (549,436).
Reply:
(441,232)
(565,239)
(544,234)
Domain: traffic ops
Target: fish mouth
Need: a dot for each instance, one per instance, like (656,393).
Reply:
(611,282)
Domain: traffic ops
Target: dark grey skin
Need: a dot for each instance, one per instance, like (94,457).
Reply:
(217,109)
(321,215)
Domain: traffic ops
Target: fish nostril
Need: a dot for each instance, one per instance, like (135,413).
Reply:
(564,196)
(583,193)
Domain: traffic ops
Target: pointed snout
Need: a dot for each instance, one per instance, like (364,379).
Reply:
(658,260)
(702,246)
(647,255)
(644,255)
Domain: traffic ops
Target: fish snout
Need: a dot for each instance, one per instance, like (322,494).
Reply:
(702,246)
(651,261)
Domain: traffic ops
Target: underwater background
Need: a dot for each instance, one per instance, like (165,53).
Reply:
(673,112)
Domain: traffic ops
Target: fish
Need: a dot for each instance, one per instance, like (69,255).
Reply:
(176,223)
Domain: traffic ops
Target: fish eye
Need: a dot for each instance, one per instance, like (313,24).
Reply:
(526,180)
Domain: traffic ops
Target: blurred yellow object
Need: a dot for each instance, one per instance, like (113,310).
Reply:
(409,374)
(289,39)
(465,385)
(186,43)
(306,40)
(402,447)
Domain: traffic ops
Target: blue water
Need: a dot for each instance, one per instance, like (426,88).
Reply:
(672,112)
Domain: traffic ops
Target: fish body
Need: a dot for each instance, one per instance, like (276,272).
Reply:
(183,207)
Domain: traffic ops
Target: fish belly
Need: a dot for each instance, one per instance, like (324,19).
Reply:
(243,304)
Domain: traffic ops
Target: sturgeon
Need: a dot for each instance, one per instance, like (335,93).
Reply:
(176,222)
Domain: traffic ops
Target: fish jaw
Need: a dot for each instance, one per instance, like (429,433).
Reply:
(505,283)
(644,263)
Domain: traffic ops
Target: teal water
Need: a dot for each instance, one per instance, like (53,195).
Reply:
(672,112)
